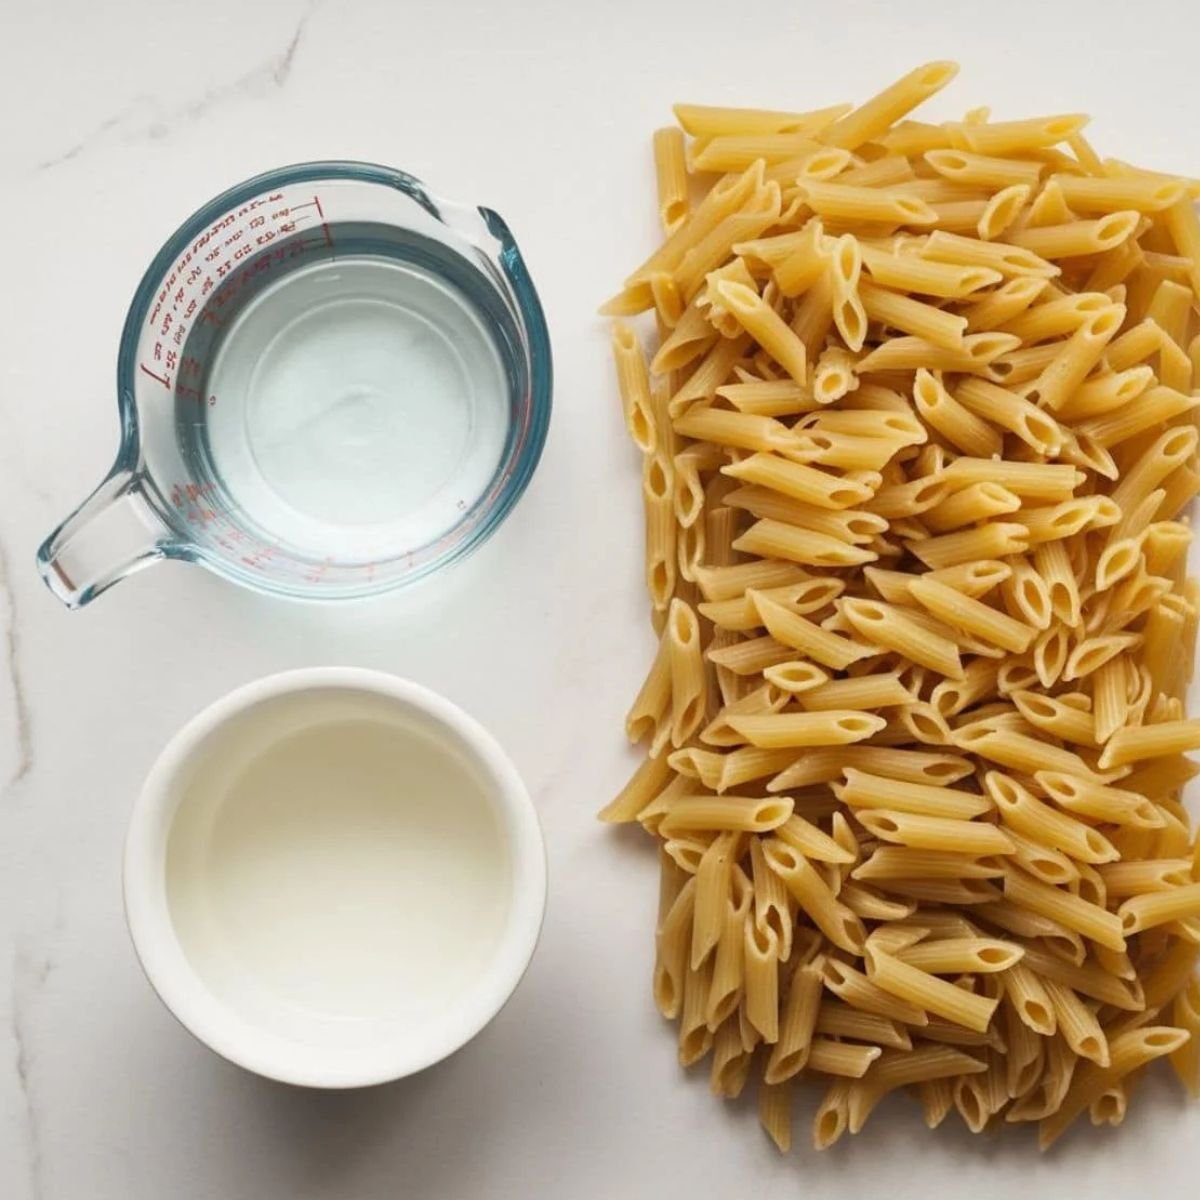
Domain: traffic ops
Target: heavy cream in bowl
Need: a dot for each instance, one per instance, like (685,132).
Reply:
(334,877)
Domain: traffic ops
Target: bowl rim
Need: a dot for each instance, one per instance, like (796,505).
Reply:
(200,1011)
(498,500)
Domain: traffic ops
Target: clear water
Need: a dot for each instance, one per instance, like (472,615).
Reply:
(357,400)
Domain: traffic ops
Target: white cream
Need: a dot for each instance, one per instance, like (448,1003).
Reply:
(337,868)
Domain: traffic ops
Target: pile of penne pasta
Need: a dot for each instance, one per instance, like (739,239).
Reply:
(918,434)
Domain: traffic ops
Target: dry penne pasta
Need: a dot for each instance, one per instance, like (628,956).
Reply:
(929,993)
(862,789)
(917,439)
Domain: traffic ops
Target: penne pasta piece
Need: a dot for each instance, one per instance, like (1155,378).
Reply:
(672,942)
(972,616)
(837,1019)
(929,993)
(806,261)
(1069,518)
(687,813)
(907,499)
(634,383)
(1044,824)
(702,120)
(1013,413)
(1010,748)
(730,582)
(796,632)
(1074,361)
(1185,1015)
(994,539)
(1090,920)
(1153,408)
(1016,137)
(649,715)
(989,172)
(878,114)
(1076,238)
(863,692)
(1007,258)
(1001,211)
(1127,1052)
(801,482)
(814,896)
(1148,909)
(954,956)
(772,909)
(761,211)
(1108,194)
(682,636)
(726,986)
(756,434)
(971,506)
(812,842)
(761,980)
(842,1058)
(856,990)
(792,1052)
(891,627)
(956,423)
(695,1038)
(702,383)
(1147,875)
(775,539)
(738,151)
(712,895)
(670,170)
(795,677)
(767,398)
(646,782)
(1005,303)
(979,353)
(1077,1024)
(1056,716)
(906,765)
(863,789)
(921,320)
(908,273)
(834,375)
(905,862)
(834,728)
(935,833)
(1100,802)
(1150,741)
(767,328)
(731,1061)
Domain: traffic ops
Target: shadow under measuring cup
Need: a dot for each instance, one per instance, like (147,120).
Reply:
(331,383)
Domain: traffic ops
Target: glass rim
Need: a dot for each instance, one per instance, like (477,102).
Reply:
(519,463)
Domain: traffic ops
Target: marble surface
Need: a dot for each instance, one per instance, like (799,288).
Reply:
(118,119)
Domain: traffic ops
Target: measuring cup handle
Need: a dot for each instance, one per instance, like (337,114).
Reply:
(114,532)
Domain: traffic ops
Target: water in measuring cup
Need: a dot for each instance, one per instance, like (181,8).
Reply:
(356,401)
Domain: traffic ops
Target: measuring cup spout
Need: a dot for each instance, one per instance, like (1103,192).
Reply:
(114,532)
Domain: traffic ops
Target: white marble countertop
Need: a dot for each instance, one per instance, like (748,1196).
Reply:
(116,121)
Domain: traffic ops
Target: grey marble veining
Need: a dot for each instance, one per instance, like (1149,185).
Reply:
(21,732)
(149,118)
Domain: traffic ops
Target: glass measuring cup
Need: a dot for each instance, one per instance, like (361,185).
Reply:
(330,383)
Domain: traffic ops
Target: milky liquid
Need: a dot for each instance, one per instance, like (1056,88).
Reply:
(356,400)
(334,870)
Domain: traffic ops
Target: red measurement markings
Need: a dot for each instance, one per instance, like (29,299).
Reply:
(220,261)
(146,371)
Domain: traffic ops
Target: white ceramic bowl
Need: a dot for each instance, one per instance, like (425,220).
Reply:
(334,877)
